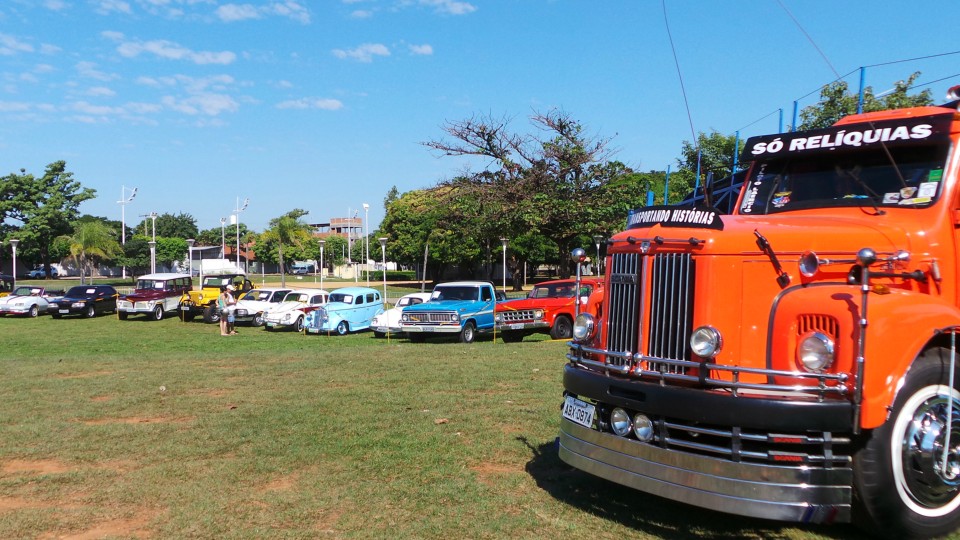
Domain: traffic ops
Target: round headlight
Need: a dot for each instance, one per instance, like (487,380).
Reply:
(706,342)
(456,317)
(643,427)
(620,422)
(538,314)
(498,317)
(404,317)
(583,327)
(815,351)
(809,264)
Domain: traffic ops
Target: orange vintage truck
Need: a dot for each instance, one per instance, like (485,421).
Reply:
(795,360)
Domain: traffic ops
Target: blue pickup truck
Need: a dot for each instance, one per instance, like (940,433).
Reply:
(459,307)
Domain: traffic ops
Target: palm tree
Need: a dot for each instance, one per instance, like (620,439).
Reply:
(91,240)
(288,229)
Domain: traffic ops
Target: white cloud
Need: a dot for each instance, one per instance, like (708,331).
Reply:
(43,68)
(55,5)
(108,6)
(14,106)
(326,104)
(292,10)
(363,53)
(172,51)
(10,45)
(362,14)
(206,104)
(112,35)
(237,12)
(421,49)
(89,70)
(450,7)
(242,12)
(100,91)
(46,48)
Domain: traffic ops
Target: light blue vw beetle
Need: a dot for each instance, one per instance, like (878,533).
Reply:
(349,309)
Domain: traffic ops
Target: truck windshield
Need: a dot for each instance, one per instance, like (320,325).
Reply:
(454,293)
(908,177)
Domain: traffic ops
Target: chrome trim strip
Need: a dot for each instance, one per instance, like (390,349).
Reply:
(786,493)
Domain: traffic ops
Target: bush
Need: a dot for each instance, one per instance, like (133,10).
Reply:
(394,275)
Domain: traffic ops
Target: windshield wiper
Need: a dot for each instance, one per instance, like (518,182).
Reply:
(871,195)
(783,278)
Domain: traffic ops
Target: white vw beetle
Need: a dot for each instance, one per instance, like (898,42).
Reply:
(389,320)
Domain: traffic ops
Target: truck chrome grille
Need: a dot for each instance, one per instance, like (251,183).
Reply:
(517,316)
(432,317)
(667,300)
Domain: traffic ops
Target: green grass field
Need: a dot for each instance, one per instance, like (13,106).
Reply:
(142,429)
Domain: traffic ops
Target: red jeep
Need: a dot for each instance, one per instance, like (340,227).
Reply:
(550,307)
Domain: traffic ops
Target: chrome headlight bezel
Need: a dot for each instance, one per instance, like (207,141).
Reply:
(538,314)
(584,328)
(706,342)
(498,317)
(816,352)
(620,422)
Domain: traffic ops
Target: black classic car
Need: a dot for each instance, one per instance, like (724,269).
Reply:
(86,300)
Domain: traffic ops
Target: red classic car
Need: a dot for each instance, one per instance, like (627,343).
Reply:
(549,308)
(155,295)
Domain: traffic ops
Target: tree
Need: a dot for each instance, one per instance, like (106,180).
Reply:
(43,206)
(170,250)
(290,230)
(561,184)
(176,226)
(91,241)
(836,102)
(716,155)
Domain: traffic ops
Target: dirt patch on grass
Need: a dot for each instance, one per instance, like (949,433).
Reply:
(36,466)
(134,526)
(138,420)
(486,471)
(100,399)
(283,483)
(85,375)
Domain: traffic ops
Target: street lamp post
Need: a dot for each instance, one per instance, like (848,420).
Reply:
(383,258)
(504,241)
(190,242)
(153,256)
(322,268)
(237,213)
(153,244)
(124,200)
(366,240)
(13,244)
(223,237)
(596,240)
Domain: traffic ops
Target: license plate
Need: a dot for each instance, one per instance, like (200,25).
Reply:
(64,311)
(185,308)
(515,326)
(271,325)
(131,310)
(578,411)
(413,328)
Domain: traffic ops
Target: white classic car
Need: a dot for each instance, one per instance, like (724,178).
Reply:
(252,304)
(24,300)
(294,308)
(389,320)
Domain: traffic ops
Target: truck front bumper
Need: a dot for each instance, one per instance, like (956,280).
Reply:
(752,456)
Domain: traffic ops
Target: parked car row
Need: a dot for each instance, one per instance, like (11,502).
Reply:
(463,309)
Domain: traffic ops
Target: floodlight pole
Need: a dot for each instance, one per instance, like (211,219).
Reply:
(13,244)
(237,213)
(366,240)
(383,256)
(124,200)
(322,268)
(190,242)
(596,239)
(504,241)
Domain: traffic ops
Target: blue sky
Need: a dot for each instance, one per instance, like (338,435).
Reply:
(323,105)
